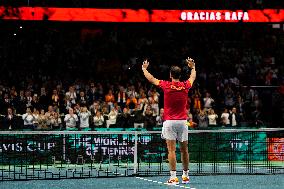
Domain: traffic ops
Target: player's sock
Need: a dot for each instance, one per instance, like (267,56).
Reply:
(185,173)
(173,179)
(185,177)
(173,174)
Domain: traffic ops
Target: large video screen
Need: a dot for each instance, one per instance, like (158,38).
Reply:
(139,15)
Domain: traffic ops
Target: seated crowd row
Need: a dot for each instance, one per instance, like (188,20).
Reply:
(79,118)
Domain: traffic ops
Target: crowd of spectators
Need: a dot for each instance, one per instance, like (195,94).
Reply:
(57,77)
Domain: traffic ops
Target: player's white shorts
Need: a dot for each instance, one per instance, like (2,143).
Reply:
(175,130)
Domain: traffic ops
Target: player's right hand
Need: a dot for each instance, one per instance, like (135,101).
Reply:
(145,64)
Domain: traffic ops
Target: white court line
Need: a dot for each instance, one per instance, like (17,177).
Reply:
(154,181)
(238,167)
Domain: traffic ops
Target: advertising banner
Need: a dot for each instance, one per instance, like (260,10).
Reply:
(203,147)
(214,147)
(275,149)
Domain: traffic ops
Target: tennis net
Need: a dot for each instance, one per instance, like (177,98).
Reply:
(31,155)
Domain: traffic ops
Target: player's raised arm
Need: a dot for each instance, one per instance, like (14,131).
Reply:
(191,64)
(147,74)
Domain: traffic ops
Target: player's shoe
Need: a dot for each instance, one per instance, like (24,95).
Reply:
(185,180)
(172,181)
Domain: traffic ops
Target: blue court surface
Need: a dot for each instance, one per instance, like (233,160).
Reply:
(197,182)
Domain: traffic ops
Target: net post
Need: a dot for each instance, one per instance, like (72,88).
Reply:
(135,152)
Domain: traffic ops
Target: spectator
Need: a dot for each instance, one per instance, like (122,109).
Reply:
(100,92)
(72,95)
(13,102)
(240,105)
(84,116)
(121,97)
(212,117)
(160,118)
(5,104)
(196,100)
(138,119)
(21,103)
(112,116)
(56,122)
(257,118)
(71,119)
(149,122)
(123,119)
(256,104)
(28,119)
(94,108)
(131,103)
(190,120)
(229,97)
(43,99)
(131,92)
(202,119)
(67,104)
(249,94)
(13,92)
(48,116)
(92,93)
(240,69)
(117,108)
(9,120)
(98,120)
(35,102)
(36,117)
(77,108)
(82,99)
(28,99)
(225,118)
(154,101)
(142,101)
(105,112)
(42,121)
(109,99)
(234,118)
(208,101)
(55,99)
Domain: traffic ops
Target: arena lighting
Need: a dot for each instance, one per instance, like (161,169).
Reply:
(140,15)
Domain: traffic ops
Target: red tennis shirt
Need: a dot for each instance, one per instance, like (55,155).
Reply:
(175,99)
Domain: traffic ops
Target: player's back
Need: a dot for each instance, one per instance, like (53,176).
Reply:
(175,99)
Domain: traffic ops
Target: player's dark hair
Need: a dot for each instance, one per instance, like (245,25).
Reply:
(175,72)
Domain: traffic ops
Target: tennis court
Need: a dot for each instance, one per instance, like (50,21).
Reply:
(155,182)
(250,158)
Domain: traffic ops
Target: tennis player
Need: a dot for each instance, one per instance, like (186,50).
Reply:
(175,116)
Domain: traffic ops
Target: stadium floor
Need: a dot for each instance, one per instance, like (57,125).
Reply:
(197,182)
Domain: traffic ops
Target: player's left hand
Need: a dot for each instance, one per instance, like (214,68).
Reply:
(145,64)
